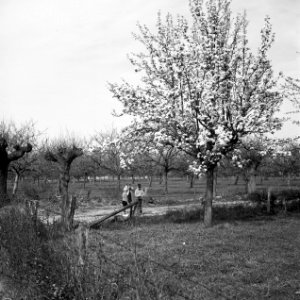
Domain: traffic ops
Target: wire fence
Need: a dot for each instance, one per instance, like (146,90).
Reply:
(149,276)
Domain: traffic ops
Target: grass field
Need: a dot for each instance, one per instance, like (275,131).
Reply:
(239,260)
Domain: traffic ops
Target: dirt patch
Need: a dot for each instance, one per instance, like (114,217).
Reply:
(91,214)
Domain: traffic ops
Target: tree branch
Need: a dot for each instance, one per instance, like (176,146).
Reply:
(19,152)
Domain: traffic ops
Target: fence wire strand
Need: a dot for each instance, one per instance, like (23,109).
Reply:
(167,268)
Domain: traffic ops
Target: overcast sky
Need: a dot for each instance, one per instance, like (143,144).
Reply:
(56,56)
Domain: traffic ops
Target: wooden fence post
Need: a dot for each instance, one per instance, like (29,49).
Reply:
(82,241)
(71,214)
(32,207)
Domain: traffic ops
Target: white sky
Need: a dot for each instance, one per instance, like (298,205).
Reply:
(56,56)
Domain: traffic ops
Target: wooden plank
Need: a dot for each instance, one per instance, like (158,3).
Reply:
(98,222)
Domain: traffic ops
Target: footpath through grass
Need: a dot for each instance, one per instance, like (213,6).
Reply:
(240,260)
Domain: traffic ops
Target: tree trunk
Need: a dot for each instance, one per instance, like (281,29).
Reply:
(210,178)
(132,179)
(191,177)
(166,181)
(3,184)
(68,206)
(64,179)
(119,182)
(84,180)
(59,187)
(270,202)
(150,179)
(71,212)
(236,179)
(160,178)
(251,183)
(215,182)
(16,183)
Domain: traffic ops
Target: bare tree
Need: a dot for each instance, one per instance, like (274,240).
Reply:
(83,168)
(21,167)
(108,152)
(14,143)
(63,152)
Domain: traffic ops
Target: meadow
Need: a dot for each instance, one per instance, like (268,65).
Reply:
(247,254)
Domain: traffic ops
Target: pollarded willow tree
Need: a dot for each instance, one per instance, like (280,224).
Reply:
(15,142)
(63,152)
(202,88)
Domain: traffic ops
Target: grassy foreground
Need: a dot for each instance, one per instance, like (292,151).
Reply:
(240,260)
(155,258)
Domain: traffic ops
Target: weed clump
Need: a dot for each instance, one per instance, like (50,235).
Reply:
(28,256)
